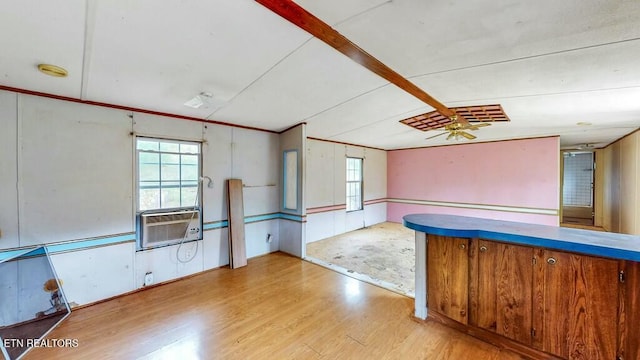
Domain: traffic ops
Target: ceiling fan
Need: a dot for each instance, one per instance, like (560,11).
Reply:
(463,118)
(456,130)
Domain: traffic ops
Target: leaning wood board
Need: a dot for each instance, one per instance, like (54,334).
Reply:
(237,247)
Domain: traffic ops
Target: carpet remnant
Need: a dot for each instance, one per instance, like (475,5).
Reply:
(384,252)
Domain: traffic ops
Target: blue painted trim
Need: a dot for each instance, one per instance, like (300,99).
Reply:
(256,218)
(596,243)
(84,244)
(215,225)
(291,217)
(76,245)
(7,255)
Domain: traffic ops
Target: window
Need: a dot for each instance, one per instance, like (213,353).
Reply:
(354,184)
(578,179)
(168,174)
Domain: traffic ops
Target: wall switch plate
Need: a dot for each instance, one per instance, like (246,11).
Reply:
(148,279)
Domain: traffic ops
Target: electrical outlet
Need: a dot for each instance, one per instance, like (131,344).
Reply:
(148,278)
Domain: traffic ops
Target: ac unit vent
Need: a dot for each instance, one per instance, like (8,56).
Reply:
(170,227)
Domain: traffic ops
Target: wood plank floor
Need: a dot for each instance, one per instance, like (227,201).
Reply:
(277,307)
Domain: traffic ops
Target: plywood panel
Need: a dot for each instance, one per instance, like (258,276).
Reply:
(615,193)
(320,173)
(216,156)
(237,244)
(628,184)
(375,174)
(76,171)
(96,274)
(167,263)
(8,174)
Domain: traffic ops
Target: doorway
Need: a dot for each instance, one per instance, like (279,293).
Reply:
(578,188)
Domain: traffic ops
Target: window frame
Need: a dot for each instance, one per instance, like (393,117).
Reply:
(180,181)
(360,182)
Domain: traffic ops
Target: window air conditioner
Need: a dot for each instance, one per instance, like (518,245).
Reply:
(169,227)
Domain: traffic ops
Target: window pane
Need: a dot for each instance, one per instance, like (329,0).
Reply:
(169,147)
(170,196)
(189,172)
(189,149)
(170,167)
(149,199)
(189,196)
(189,159)
(149,172)
(148,145)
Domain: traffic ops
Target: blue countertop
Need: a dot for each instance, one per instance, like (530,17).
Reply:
(596,243)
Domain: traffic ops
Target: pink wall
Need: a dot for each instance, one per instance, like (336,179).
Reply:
(523,175)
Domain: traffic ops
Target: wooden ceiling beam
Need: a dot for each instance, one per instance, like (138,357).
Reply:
(321,30)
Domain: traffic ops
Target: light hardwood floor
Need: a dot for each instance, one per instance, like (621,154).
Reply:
(277,307)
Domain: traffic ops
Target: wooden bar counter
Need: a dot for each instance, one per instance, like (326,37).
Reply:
(545,292)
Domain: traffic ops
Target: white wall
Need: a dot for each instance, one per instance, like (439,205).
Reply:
(8,170)
(326,189)
(292,229)
(68,175)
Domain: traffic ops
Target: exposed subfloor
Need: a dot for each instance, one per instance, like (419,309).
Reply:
(382,254)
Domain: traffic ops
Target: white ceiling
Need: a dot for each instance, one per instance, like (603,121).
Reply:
(550,63)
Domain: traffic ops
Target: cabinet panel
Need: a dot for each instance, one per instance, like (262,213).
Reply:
(502,302)
(580,297)
(447,276)
(629,339)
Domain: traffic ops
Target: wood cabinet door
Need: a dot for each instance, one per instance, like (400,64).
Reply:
(501,289)
(447,276)
(579,296)
(630,315)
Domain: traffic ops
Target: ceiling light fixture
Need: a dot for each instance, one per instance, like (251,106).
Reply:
(52,70)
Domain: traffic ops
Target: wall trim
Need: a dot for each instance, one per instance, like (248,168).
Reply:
(475,142)
(345,143)
(74,245)
(321,209)
(375,201)
(329,208)
(517,209)
(128,108)
(117,239)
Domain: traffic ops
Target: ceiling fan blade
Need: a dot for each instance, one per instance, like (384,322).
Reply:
(451,135)
(474,126)
(431,137)
(467,135)
(482,125)
(300,17)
